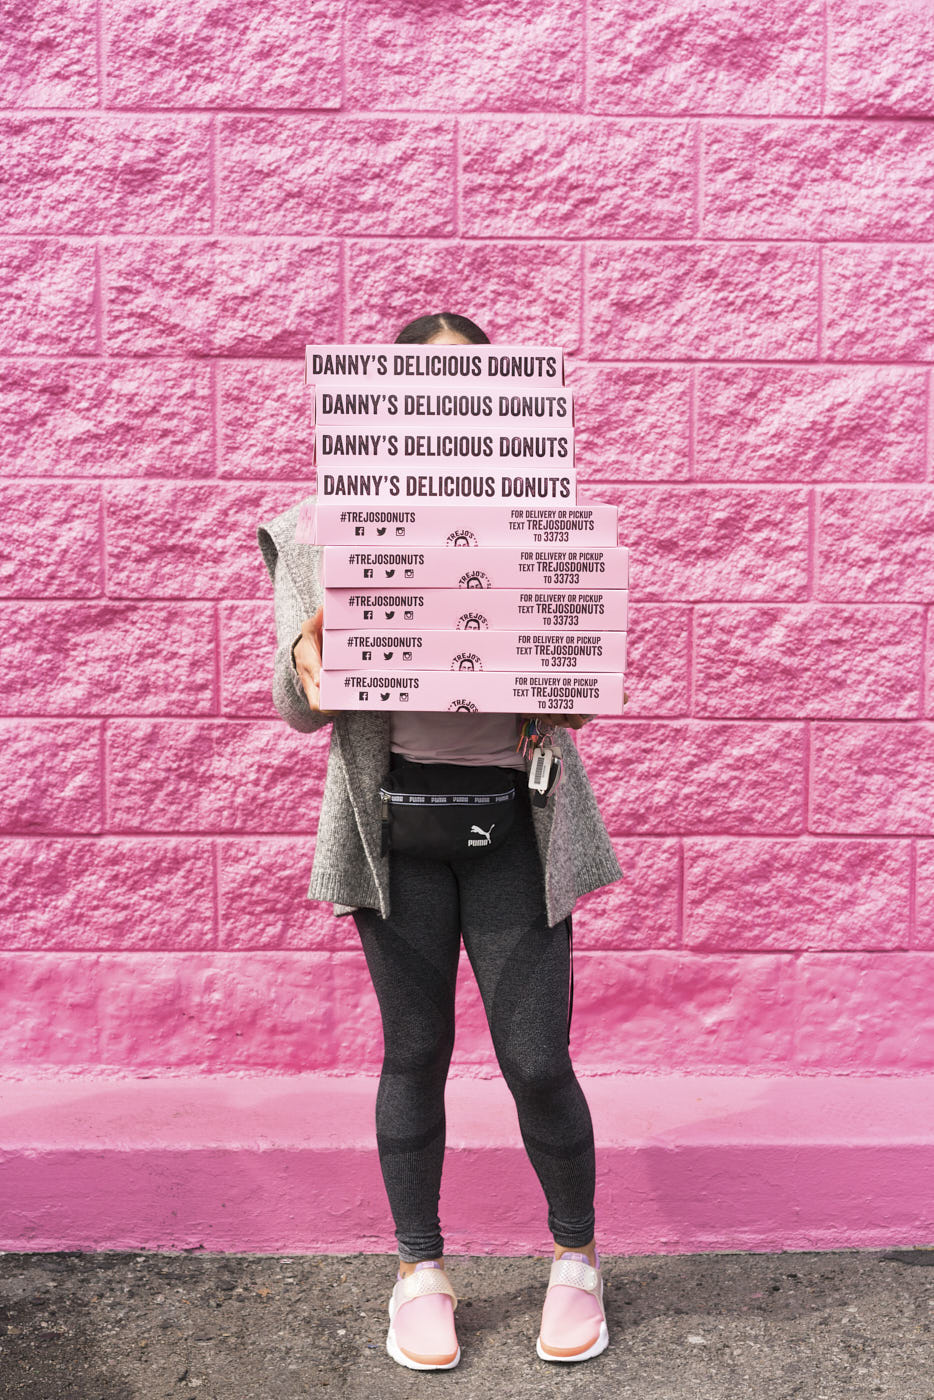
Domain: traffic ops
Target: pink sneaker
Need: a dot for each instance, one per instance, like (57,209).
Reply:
(573,1320)
(421,1320)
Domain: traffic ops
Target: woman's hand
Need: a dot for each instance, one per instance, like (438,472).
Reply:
(307,653)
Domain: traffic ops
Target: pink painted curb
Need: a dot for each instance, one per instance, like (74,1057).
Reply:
(287,1164)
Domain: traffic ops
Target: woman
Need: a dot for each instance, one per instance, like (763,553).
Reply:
(511,905)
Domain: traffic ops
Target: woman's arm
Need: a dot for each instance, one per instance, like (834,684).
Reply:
(294,629)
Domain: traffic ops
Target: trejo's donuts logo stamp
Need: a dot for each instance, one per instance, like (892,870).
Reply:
(472,622)
(461,539)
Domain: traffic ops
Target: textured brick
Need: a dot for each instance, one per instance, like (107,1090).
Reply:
(854,1012)
(461,56)
(209,53)
(527,291)
(924,907)
(50,58)
(648,1010)
(248,643)
(107,658)
(657,659)
(189,541)
(221,297)
(873,778)
(705,56)
(51,776)
(642,909)
(204,775)
(876,544)
(880,57)
(51,539)
(263,885)
(106,893)
(679,775)
(631,422)
(701,301)
(386,175)
(761,422)
(577,178)
(673,1011)
(105,419)
(714,542)
(266,427)
(879,303)
(768,894)
(818,180)
(807,660)
(929,663)
(141,1012)
(88,175)
(48,297)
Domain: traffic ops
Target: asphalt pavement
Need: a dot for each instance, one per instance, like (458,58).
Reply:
(855,1325)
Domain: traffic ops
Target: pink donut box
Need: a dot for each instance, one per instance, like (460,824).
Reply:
(473,692)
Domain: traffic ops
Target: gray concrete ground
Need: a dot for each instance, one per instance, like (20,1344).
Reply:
(840,1326)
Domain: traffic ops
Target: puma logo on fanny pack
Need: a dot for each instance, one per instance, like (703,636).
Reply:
(487,835)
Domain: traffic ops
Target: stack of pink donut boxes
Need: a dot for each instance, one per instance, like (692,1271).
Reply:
(461,570)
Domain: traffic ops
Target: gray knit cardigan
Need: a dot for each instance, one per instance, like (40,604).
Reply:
(348,870)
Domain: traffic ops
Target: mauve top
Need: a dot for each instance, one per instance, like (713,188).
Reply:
(438,737)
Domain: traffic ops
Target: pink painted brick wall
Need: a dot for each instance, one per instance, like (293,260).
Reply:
(723,212)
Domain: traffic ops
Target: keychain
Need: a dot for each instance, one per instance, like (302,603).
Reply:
(537,746)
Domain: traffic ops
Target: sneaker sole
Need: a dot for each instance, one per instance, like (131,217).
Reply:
(601,1344)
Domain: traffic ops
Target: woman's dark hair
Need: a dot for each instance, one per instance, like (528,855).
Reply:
(425,328)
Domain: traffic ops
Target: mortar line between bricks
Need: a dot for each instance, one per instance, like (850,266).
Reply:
(427,116)
(825,56)
(480,240)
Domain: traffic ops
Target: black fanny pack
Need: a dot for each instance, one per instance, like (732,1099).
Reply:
(446,811)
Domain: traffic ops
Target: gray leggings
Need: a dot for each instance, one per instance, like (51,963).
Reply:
(496,902)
